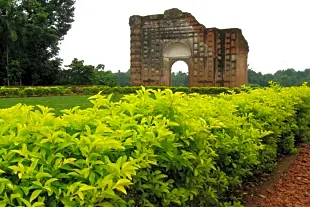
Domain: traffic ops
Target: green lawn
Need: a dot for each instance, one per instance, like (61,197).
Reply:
(56,102)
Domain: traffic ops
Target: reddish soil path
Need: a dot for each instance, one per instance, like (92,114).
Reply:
(287,186)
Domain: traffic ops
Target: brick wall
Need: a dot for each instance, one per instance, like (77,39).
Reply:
(218,57)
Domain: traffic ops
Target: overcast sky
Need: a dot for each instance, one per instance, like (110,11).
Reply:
(278,32)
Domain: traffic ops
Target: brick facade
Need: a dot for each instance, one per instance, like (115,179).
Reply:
(215,57)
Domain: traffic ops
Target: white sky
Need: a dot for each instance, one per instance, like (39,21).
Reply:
(278,32)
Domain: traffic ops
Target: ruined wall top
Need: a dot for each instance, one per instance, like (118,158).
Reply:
(173,13)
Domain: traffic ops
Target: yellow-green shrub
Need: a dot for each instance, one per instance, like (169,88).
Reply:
(153,148)
(92,90)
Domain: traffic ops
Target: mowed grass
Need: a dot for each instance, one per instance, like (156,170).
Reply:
(56,102)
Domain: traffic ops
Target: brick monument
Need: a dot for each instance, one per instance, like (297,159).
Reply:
(215,57)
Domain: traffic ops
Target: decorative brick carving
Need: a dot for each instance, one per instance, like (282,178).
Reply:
(215,57)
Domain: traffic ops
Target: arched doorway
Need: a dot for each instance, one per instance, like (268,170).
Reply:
(179,74)
(176,54)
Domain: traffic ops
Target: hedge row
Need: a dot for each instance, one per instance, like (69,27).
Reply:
(91,90)
(150,149)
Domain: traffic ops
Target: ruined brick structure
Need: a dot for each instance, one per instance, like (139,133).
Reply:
(215,57)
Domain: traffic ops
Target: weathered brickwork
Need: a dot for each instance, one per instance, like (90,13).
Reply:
(215,57)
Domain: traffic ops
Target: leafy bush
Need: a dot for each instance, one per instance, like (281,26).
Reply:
(31,91)
(153,148)
(91,90)
(34,91)
(7,92)
(209,90)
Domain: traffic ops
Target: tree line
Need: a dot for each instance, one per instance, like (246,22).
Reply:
(80,74)
(288,77)
(77,73)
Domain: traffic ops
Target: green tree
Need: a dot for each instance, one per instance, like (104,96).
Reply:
(7,29)
(123,78)
(76,74)
(40,26)
(101,77)
(179,79)
(15,72)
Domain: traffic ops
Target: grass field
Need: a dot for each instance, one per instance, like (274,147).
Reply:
(56,102)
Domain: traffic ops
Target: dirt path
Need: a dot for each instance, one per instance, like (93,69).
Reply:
(287,186)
